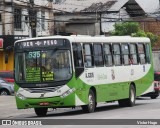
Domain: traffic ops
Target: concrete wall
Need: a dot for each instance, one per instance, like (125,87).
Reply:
(156,60)
(108,24)
(82,29)
(9,65)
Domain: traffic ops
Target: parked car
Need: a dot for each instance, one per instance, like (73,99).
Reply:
(156,91)
(6,88)
(7,75)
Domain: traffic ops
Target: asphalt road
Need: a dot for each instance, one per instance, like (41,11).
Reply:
(145,108)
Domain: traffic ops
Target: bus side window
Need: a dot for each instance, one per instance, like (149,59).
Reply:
(88,59)
(147,51)
(125,54)
(133,54)
(116,54)
(141,53)
(98,55)
(77,54)
(108,55)
(78,59)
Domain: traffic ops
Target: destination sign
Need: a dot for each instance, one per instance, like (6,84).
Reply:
(42,43)
(33,74)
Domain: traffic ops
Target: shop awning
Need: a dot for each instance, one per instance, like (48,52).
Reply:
(1,43)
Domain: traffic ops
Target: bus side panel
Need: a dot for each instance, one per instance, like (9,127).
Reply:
(144,83)
(81,91)
(111,92)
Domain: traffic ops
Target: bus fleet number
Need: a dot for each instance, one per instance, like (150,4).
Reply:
(34,54)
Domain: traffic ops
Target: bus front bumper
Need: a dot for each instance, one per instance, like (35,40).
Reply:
(52,102)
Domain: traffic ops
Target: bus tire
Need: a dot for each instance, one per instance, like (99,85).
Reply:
(154,97)
(90,107)
(129,102)
(41,111)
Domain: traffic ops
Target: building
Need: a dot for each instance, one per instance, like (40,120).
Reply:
(87,17)
(99,16)
(22,19)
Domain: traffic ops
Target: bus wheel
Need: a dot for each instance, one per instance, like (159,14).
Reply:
(41,111)
(154,97)
(92,103)
(129,102)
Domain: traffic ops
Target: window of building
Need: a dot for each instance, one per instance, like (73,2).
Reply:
(141,52)
(148,58)
(108,55)
(77,54)
(88,59)
(133,54)
(17,18)
(116,54)
(98,55)
(125,54)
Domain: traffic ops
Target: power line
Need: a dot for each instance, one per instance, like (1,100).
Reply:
(24,15)
(44,7)
(63,10)
(51,20)
(109,18)
(35,5)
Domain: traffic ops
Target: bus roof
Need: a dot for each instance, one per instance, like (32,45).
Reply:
(100,39)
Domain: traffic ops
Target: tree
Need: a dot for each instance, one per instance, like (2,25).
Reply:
(133,29)
(125,28)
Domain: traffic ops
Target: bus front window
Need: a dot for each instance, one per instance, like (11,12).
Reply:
(56,63)
(43,66)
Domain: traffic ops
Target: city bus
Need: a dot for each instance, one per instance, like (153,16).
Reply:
(70,71)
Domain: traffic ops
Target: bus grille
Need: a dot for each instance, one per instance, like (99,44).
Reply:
(42,90)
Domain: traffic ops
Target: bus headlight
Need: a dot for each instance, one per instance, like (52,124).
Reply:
(20,96)
(68,92)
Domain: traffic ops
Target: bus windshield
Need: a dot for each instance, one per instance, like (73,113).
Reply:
(43,66)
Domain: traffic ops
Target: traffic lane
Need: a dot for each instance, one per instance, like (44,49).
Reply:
(8,108)
(111,111)
(104,111)
(145,108)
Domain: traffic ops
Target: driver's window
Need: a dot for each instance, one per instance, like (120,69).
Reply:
(77,55)
(78,59)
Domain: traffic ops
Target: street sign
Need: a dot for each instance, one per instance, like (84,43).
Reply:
(1,43)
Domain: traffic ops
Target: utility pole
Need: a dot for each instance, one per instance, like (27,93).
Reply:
(50,5)
(12,17)
(3,18)
(32,18)
(100,19)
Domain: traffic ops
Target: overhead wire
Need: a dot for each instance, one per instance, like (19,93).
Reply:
(81,13)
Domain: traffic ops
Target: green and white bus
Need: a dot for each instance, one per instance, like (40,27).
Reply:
(70,71)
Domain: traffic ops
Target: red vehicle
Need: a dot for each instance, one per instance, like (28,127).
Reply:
(157,81)
(157,86)
(156,91)
(7,75)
